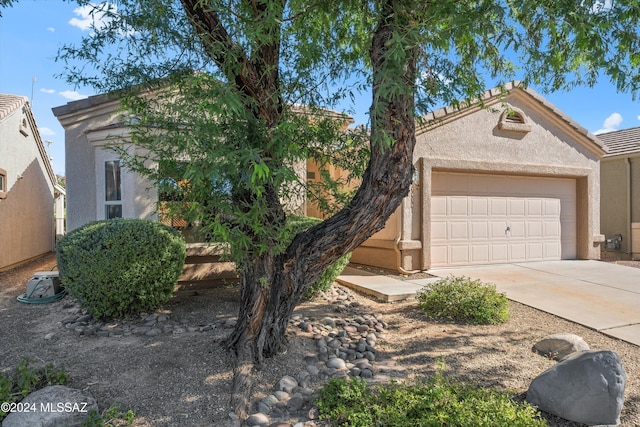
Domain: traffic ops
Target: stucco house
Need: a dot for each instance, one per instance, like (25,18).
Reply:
(620,192)
(31,201)
(515,181)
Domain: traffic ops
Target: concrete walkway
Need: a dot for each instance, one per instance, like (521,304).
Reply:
(599,295)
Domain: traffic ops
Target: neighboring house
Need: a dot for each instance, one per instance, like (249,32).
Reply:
(99,187)
(30,197)
(620,192)
(513,182)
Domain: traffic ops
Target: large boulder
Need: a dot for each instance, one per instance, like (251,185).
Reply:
(586,387)
(559,346)
(53,406)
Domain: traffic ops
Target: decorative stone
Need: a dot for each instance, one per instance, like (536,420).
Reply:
(586,387)
(336,363)
(559,346)
(74,409)
(287,383)
(258,420)
(295,403)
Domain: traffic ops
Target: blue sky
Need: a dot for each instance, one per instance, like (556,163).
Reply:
(32,31)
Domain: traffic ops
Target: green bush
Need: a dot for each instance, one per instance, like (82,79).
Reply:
(460,298)
(295,225)
(437,402)
(119,267)
(26,378)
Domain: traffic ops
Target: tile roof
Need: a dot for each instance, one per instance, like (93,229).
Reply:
(496,93)
(10,103)
(621,142)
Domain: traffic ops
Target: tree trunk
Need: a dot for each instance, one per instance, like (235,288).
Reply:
(273,286)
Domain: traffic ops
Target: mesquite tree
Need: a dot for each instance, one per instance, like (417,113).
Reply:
(226,98)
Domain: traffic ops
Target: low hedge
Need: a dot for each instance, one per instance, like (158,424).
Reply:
(119,267)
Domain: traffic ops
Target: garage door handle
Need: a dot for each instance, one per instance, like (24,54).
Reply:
(507,230)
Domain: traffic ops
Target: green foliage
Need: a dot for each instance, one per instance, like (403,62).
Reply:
(26,379)
(460,298)
(296,224)
(436,402)
(112,417)
(121,266)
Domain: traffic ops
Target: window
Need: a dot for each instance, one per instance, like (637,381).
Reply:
(3,184)
(112,189)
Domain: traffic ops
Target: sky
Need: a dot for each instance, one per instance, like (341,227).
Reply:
(32,31)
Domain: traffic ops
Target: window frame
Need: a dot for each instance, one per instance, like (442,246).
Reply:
(3,183)
(108,204)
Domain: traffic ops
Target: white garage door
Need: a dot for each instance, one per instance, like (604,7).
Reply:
(492,219)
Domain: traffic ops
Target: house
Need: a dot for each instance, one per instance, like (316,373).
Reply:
(512,182)
(620,192)
(99,187)
(31,201)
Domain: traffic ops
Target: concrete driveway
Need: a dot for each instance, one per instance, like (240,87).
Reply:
(600,295)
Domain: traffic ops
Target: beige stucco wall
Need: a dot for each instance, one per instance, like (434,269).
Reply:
(89,125)
(27,224)
(620,199)
(471,141)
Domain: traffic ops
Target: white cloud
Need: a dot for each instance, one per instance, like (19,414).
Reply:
(638,117)
(46,131)
(72,95)
(47,90)
(610,124)
(92,16)
(53,30)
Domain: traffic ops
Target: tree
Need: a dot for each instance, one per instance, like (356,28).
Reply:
(215,88)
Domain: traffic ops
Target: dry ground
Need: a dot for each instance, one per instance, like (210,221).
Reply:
(184,380)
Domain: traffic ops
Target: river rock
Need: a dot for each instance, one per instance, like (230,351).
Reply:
(559,346)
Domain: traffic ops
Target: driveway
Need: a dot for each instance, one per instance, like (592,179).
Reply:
(599,295)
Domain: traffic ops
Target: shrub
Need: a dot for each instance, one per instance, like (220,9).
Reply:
(460,298)
(297,224)
(437,402)
(121,266)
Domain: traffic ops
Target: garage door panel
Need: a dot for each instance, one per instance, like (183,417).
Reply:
(438,206)
(479,230)
(535,229)
(552,250)
(439,230)
(458,206)
(499,253)
(498,229)
(535,251)
(517,252)
(483,219)
(458,230)
(534,207)
(479,206)
(517,207)
(480,254)
(459,254)
(498,207)
(517,230)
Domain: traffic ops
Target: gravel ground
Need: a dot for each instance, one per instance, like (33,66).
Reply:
(185,379)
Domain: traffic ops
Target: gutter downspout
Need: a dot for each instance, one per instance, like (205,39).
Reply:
(629,207)
(396,243)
